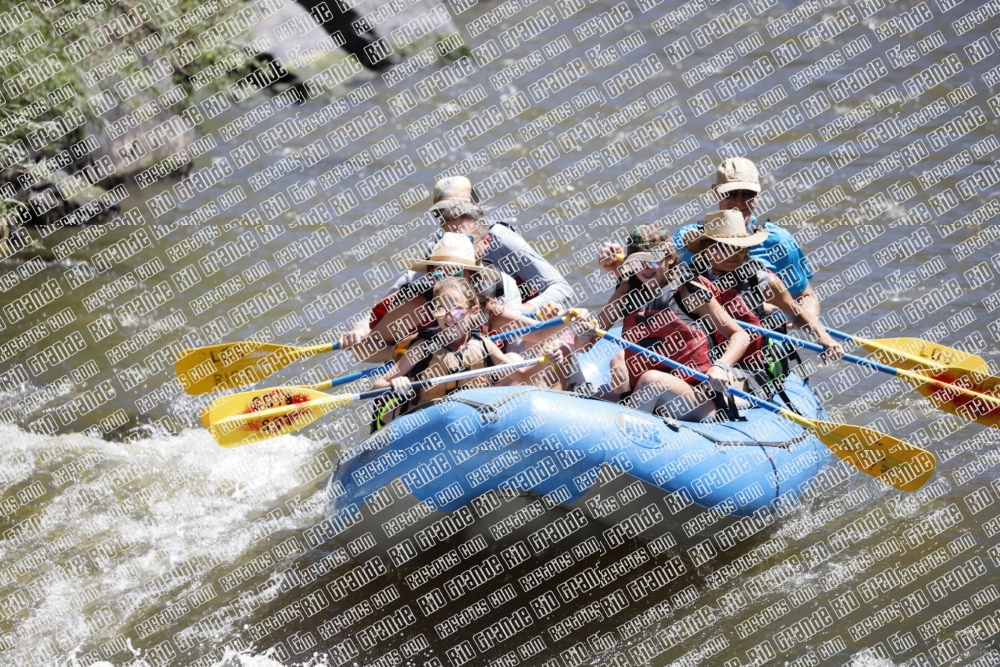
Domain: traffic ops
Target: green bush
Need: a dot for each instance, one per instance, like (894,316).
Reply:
(49,62)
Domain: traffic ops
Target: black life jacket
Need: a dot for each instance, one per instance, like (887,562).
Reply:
(439,362)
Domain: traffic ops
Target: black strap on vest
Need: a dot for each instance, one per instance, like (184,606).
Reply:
(744,285)
(726,404)
(407,405)
(789,353)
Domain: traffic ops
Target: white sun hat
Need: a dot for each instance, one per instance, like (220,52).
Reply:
(455,250)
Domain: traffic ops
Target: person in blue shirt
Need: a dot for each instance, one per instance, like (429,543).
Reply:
(737,185)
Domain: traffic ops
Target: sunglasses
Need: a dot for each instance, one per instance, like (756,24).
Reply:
(736,194)
(640,265)
(723,250)
(456,312)
(442,272)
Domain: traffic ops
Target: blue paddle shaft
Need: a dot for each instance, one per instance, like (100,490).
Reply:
(523,331)
(516,333)
(454,377)
(815,347)
(351,377)
(667,361)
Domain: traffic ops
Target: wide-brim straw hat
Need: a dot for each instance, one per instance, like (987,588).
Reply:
(455,250)
(725,227)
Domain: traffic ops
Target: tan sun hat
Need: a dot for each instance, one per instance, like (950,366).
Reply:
(455,250)
(454,188)
(736,173)
(726,227)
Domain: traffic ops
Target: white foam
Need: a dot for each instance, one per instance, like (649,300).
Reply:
(97,560)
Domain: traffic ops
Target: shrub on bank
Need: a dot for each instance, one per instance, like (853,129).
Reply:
(71,68)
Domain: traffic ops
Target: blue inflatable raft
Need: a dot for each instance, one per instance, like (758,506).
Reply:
(497,461)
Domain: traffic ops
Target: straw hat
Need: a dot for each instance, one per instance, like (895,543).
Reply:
(455,250)
(726,227)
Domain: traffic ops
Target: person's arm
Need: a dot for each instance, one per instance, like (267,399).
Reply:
(610,256)
(508,320)
(363,328)
(397,324)
(355,336)
(611,313)
(777,295)
(737,341)
(808,301)
(781,254)
(496,354)
(616,306)
(512,254)
(396,376)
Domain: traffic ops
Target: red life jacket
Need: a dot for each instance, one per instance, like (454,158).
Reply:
(421,289)
(741,293)
(665,326)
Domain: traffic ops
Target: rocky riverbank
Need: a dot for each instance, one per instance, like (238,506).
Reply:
(122,101)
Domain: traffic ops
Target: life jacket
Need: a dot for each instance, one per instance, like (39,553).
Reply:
(664,325)
(526,290)
(442,361)
(766,361)
(741,293)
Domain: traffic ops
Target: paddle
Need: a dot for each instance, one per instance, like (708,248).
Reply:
(916,354)
(225,406)
(227,365)
(890,459)
(961,401)
(286,409)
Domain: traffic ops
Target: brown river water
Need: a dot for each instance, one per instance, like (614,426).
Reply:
(130,538)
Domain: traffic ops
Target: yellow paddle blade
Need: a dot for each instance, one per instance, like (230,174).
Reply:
(919,354)
(890,459)
(938,362)
(255,401)
(227,365)
(275,412)
(961,401)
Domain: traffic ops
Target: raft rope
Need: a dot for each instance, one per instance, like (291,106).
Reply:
(677,426)
(490,414)
(488,411)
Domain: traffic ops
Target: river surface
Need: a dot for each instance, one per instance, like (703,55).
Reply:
(125,526)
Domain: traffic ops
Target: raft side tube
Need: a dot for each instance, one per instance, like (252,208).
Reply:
(609,464)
